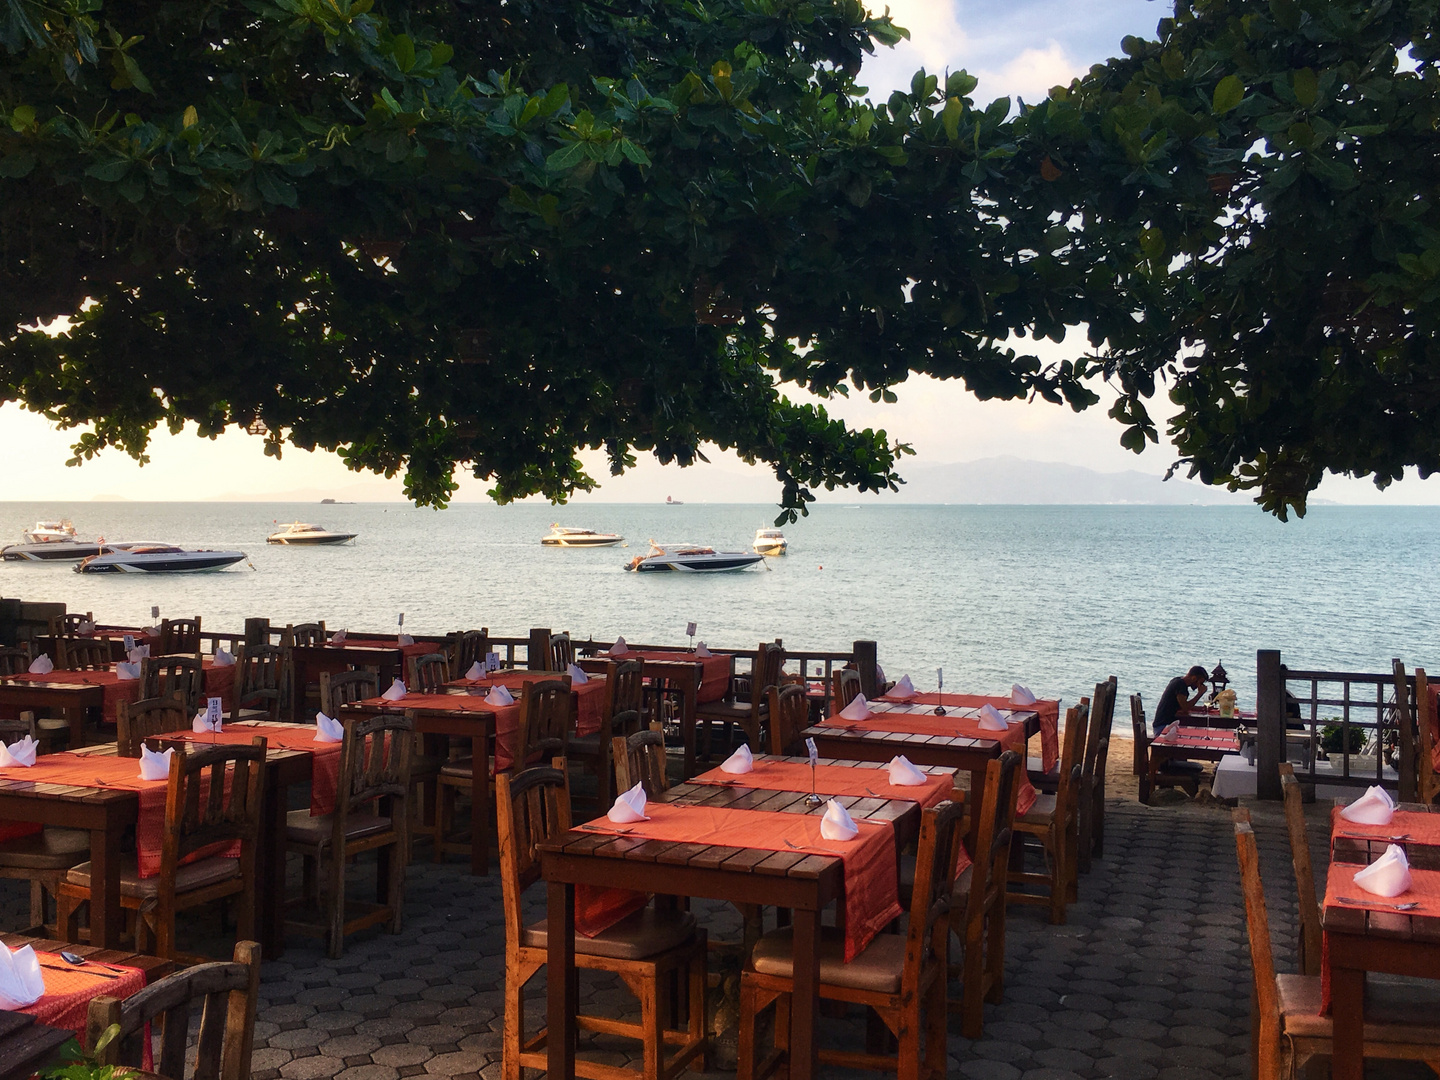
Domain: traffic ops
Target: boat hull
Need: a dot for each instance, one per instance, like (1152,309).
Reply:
(710,565)
(311,541)
(49,551)
(597,541)
(188,563)
(771,549)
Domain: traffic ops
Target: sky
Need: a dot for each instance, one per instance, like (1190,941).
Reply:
(1016,48)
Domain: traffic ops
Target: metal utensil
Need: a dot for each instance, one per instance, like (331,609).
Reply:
(812,847)
(1411,906)
(1370,836)
(80,961)
(89,971)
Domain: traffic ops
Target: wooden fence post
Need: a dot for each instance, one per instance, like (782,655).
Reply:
(866,653)
(257,631)
(1269,723)
(537,652)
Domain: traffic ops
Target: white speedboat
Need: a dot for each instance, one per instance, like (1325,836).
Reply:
(50,532)
(691,559)
(561,536)
(299,532)
(770,542)
(151,558)
(51,551)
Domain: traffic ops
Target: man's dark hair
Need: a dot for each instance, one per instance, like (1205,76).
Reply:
(1199,673)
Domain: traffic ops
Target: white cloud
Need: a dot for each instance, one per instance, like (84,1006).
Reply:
(1031,74)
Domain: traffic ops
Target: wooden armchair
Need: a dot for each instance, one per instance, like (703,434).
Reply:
(562,653)
(15,659)
(82,654)
(227,1019)
(845,685)
(1054,821)
(1309,950)
(371,814)
(172,676)
(624,693)
(648,949)
(640,759)
(147,718)
(466,648)
(789,717)
(199,812)
(1425,735)
(748,705)
(1092,772)
(429,673)
(307,633)
(261,672)
(180,635)
(1154,774)
(343,687)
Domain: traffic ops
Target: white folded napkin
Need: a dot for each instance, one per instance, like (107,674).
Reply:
(140,652)
(396,691)
(337,638)
(327,730)
(1170,734)
(406,639)
(990,718)
(619,648)
(859,709)
(41,665)
(904,774)
(903,690)
(1020,695)
(702,652)
(20,752)
(155,766)
(475,671)
(201,724)
(1375,807)
(154,631)
(577,675)
(629,806)
(499,695)
(86,626)
(1388,875)
(837,824)
(223,659)
(21,982)
(125,671)
(741,761)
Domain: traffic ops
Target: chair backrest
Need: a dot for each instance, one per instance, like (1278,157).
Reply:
(1304,876)
(375,759)
(15,659)
(530,807)
(640,759)
(1102,712)
(1405,724)
(429,673)
(467,647)
(1067,790)
(15,730)
(994,832)
(229,808)
(765,673)
(927,936)
(845,685)
(260,678)
(1257,922)
(342,687)
(227,1019)
(625,683)
(82,654)
(166,676)
(562,653)
(69,625)
(137,721)
(305,633)
(625,723)
(789,716)
(180,635)
(1425,738)
(1141,735)
(545,723)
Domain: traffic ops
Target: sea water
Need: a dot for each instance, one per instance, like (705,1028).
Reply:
(1054,597)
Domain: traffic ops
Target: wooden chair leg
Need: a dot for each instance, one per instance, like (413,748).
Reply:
(995,956)
(335,906)
(908,1061)
(935,1030)
(651,1027)
(513,1036)
(745,1050)
(1058,877)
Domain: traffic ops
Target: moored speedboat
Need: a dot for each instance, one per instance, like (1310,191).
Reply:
(691,559)
(299,532)
(770,542)
(50,532)
(51,551)
(562,536)
(151,558)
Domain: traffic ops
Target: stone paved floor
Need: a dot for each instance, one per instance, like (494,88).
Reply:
(1148,979)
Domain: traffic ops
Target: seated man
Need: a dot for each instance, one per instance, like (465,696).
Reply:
(1174,702)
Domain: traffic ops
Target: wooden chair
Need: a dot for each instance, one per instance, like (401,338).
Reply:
(562,653)
(1152,774)
(227,1019)
(1054,821)
(371,814)
(1288,1026)
(845,685)
(978,903)
(147,718)
(192,823)
(900,976)
(645,949)
(82,654)
(1425,736)
(789,717)
(429,673)
(260,674)
(1402,715)
(180,635)
(15,659)
(1309,949)
(71,624)
(343,687)
(308,633)
(624,698)
(640,759)
(169,676)
(1092,771)
(748,703)
(467,647)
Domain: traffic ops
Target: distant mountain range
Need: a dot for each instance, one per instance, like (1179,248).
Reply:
(1014,480)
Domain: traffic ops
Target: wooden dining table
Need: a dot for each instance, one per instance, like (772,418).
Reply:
(26,1045)
(801,881)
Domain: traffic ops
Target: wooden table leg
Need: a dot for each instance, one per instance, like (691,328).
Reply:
(107,920)
(76,715)
(689,691)
(562,987)
(1347,998)
(270,870)
(480,804)
(804,1050)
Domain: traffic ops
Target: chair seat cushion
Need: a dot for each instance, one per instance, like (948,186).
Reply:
(1180,768)
(459,769)
(1041,813)
(49,849)
(877,969)
(301,827)
(191,876)
(1408,1006)
(643,933)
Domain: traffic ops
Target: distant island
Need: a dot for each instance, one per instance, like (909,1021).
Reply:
(334,502)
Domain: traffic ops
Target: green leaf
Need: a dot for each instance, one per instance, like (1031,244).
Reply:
(273,189)
(1306,86)
(950,118)
(634,153)
(137,77)
(403,49)
(566,157)
(191,117)
(1229,92)
(23,118)
(17,164)
(109,171)
(441,54)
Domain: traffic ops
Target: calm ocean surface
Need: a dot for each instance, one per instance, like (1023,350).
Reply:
(1052,596)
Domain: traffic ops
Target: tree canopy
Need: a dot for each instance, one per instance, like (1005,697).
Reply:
(495,232)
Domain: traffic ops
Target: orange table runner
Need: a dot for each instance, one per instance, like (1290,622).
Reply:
(1047,709)
(1424,888)
(871,892)
(714,674)
(506,718)
(219,682)
(833,780)
(111,771)
(420,648)
(1200,738)
(69,990)
(589,697)
(325,756)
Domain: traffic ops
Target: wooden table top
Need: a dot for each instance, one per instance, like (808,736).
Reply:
(70,793)
(871,732)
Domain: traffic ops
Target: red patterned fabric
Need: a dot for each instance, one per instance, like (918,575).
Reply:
(714,676)
(324,766)
(69,991)
(588,698)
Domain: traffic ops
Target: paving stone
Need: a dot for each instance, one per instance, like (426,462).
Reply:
(312,1068)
